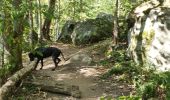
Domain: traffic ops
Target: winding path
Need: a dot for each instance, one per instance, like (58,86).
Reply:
(83,75)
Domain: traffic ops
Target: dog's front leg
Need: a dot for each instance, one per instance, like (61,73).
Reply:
(41,63)
(36,64)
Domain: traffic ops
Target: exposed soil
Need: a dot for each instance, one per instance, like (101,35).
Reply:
(87,77)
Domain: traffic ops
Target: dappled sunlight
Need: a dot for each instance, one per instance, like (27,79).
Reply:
(78,71)
(87,72)
(48,66)
(60,77)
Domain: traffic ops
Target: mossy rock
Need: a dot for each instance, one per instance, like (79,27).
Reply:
(92,31)
(66,31)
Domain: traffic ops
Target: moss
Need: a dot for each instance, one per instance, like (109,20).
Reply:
(140,44)
(137,45)
(148,36)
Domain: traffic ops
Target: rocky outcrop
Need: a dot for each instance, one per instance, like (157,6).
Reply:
(149,38)
(88,31)
(66,31)
(106,16)
(91,31)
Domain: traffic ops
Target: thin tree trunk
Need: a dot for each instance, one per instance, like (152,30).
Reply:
(115,28)
(48,20)
(39,21)
(2,55)
(58,21)
(31,16)
(74,10)
(81,5)
(33,34)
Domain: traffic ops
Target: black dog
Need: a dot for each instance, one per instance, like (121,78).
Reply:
(44,52)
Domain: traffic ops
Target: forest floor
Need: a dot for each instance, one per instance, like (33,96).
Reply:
(86,76)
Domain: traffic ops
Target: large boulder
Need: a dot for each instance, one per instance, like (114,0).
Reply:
(149,38)
(80,58)
(91,31)
(106,16)
(88,31)
(66,31)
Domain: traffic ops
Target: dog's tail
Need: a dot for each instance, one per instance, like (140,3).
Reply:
(63,56)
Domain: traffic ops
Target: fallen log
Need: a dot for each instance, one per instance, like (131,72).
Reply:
(9,86)
(57,87)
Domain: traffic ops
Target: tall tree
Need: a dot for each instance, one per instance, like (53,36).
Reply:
(33,33)
(81,5)
(115,22)
(39,20)
(13,34)
(48,18)
(58,19)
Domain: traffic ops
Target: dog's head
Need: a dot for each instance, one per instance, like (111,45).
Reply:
(31,56)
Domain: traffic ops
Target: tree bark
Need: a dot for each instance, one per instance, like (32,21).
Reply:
(33,34)
(12,36)
(81,5)
(48,19)
(57,87)
(74,9)
(115,22)
(9,86)
(57,25)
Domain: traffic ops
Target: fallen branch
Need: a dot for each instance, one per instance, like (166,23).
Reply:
(57,87)
(9,86)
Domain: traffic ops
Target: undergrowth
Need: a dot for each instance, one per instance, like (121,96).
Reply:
(24,91)
(148,83)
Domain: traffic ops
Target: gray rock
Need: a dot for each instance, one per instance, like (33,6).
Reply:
(88,31)
(149,40)
(91,31)
(80,58)
(66,32)
(106,16)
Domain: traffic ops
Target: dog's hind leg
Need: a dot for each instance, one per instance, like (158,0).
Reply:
(56,63)
(36,64)
(41,64)
(63,56)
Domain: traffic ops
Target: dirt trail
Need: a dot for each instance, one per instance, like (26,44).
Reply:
(84,76)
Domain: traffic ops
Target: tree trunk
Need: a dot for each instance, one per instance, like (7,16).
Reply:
(12,35)
(74,9)
(10,85)
(2,54)
(16,50)
(39,21)
(81,5)
(33,34)
(48,19)
(57,87)
(58,21)
(115,28)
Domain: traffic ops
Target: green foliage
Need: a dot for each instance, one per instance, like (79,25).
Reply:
(120,64)
(106,98)
(71,9)
(24,91)
(5,70)
(153,84)
(148,83)
(20,98)
(129,98)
